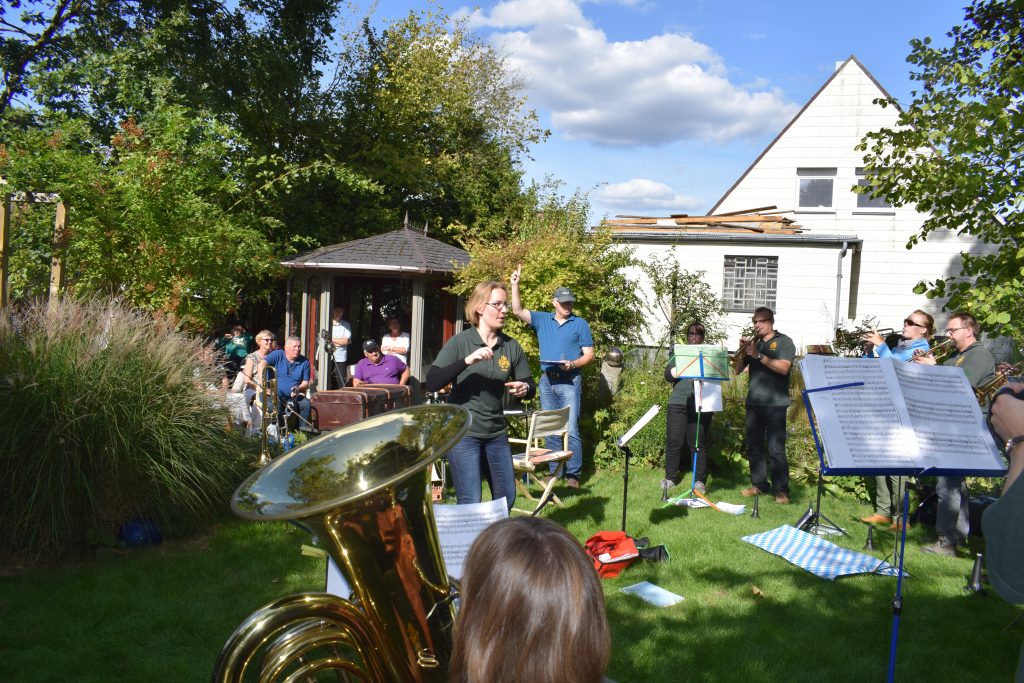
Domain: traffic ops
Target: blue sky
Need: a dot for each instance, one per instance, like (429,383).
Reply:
(658,107)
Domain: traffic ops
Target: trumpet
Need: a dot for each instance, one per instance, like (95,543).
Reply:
(363,492)
(854,338)
(985,391)
(739,355)
(940,351)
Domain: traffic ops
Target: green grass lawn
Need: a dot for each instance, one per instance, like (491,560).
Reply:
(163,614)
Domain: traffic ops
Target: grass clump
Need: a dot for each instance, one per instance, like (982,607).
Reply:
(104,417)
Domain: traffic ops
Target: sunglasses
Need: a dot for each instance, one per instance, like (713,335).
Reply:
(908,321)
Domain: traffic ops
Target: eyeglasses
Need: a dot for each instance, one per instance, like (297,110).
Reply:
(908,321)
(498,305)
(951,330)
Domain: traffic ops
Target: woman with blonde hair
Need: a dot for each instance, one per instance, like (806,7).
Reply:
(482,364)
(532,609)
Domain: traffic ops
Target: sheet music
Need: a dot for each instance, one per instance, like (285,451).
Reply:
(640,424)
(708,396)
(906,417)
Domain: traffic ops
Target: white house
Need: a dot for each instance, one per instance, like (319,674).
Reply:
(844,256)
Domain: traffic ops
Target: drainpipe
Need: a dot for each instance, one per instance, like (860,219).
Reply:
(839,281)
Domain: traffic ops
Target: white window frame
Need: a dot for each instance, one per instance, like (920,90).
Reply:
(749,282)
(885,209)
(816,174)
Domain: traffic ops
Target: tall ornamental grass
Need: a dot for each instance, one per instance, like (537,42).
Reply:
(104,417)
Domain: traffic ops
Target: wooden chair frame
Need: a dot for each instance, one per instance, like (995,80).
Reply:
(543,423)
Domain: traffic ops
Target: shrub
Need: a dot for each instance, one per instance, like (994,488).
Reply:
(104,417)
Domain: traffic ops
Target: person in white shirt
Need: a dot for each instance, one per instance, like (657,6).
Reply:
(395,342)
(341,335)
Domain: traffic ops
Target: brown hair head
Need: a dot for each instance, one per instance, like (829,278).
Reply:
(532,608)
(967,320)
(930,327)
(697,329)
(481,293)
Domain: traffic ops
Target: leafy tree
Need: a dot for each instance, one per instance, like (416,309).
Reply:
(683,297)
(556,249)
(436,118)
(957,151)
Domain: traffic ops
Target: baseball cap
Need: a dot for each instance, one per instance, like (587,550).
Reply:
(370,346)
(564,295)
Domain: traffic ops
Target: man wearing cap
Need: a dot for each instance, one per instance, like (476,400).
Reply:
(566,345)
(377,368)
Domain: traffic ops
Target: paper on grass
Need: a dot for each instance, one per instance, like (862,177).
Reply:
(457,528)
(696,503)
(656,595)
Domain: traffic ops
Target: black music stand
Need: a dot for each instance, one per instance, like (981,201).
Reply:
(329,349)
(813,522)
(622,443)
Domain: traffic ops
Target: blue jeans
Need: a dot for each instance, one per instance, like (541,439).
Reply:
(472,459)
(559,394)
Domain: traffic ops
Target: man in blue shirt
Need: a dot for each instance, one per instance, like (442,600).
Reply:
(566,345)
(293,376)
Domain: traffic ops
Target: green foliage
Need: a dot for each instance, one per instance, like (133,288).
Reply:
(556,249)
(103,417)
(684,298)
(956,154)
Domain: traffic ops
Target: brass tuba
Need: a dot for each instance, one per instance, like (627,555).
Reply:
(363,492)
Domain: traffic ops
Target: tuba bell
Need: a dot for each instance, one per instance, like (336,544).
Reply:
(363,492)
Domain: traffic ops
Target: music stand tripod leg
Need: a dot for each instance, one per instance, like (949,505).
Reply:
(818,521)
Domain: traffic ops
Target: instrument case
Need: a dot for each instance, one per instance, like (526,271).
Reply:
(339,407)
(399,396)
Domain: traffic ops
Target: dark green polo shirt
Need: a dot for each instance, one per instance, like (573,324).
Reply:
(977,363)
(481,386)
(769,388)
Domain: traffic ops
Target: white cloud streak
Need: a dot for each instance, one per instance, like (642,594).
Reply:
(643,194)
(663,89)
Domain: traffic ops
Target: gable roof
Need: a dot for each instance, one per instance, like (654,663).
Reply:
(851,58)
(398,251)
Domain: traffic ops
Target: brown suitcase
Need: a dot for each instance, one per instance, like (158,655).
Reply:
(399,396)
(338,407)
(376,399)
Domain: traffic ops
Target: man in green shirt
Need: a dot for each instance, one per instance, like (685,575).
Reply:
(768,357)
(952,520)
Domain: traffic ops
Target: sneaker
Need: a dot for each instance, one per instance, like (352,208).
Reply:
(942,547)
(699,487)
(667,484)
(751,491)
(572,482)
(782,498)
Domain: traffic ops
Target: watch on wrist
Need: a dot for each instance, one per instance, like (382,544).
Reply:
(1012,443)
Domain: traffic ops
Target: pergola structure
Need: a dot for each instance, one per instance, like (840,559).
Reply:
(401,273)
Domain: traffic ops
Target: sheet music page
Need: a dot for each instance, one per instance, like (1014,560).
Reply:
(950,427)
(708,396)
(865,427)
(459,525)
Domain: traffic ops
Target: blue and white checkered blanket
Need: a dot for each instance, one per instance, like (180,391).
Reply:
(816,555)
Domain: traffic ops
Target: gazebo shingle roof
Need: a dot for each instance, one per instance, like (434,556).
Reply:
(401,250)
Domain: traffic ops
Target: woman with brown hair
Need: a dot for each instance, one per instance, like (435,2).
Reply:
(483,364)
(532,608)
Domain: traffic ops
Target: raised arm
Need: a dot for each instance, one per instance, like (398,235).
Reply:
(517,304)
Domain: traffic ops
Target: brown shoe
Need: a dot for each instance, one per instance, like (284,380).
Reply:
(782,499)
(876,519)
(572,482)
(751,491)
(897,525)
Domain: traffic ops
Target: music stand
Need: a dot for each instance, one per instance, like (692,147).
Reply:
(622,443)
(701,363)
(329,349)
(812,523)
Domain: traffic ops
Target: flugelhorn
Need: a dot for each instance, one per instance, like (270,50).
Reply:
(940,351)
(852,338)
(363,492)
(746,336)
(984,392)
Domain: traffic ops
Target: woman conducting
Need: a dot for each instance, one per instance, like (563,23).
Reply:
(682,427)
(482,364)
(532,608)
(918,328)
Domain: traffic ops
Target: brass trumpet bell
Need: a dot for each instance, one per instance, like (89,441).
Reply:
(363,492)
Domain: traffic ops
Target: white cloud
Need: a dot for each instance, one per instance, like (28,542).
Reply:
(662,89)
(643,194)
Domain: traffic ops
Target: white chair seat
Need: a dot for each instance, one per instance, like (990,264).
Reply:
(543,423)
